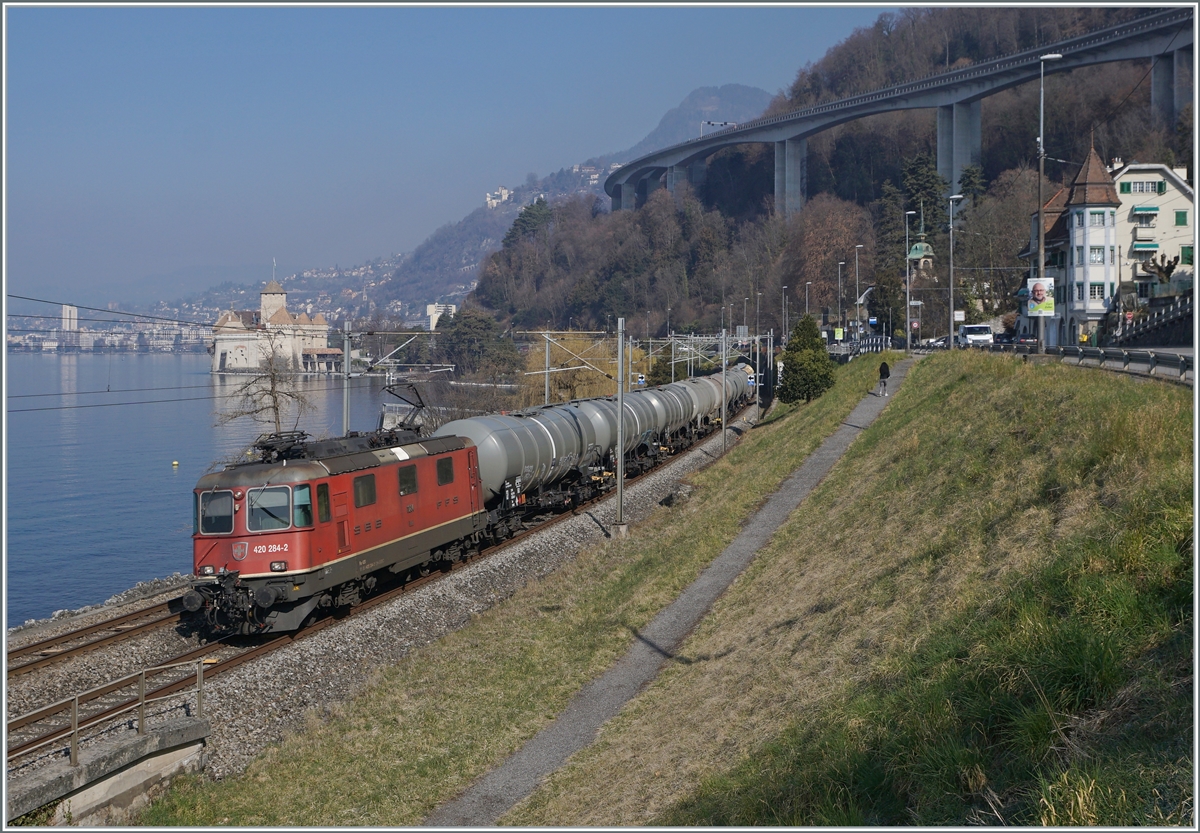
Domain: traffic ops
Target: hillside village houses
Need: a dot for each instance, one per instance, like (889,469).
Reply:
(1105,235)
(243,340)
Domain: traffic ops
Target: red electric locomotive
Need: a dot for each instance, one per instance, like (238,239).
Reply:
(314,524)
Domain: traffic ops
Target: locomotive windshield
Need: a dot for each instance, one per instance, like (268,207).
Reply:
(214,513)
(302,506)
(269,509)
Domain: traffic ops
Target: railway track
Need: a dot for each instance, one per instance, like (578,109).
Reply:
(100,710)
(97,711)
(73,643)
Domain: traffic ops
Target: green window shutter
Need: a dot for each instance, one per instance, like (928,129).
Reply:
(1181,218)
(1124,187)
(1185,255)
(1162,187)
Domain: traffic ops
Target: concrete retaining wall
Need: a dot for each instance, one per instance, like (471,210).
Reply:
(114,778)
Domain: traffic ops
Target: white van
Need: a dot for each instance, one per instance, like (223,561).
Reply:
(972,335)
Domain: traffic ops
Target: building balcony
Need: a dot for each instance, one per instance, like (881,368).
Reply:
(1143,233)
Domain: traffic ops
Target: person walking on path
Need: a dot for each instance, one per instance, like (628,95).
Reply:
(884,373)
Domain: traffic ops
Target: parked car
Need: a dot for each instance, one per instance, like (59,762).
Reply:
(1003,338)
(937,343)
(1025,338)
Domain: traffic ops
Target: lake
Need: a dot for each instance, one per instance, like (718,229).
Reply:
(93,503)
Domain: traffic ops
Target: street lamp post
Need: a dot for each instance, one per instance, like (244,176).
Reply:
(783,310)
(1041,149)
(757,309)
(745,301)
(857,295)
(950,336)
(841,263)
(672,345)
(907,287)
(807,284)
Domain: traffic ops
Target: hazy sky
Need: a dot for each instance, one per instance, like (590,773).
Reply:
(143,142)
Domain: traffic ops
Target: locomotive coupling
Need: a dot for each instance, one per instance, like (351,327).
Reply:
(266,596)
(192,601)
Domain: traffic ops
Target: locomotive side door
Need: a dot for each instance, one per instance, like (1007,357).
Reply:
(341,515)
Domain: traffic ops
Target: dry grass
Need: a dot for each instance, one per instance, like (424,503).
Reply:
(921,521)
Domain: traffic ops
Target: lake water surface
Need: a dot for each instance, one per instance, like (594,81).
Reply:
(93,503)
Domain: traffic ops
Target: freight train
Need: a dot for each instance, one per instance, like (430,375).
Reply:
(311,526)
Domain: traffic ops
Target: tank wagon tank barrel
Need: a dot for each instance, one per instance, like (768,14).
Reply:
(537,447)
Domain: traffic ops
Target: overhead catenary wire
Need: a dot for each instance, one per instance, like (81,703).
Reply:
(160,318)
(214,397)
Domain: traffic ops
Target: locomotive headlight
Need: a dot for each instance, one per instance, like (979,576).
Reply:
(208,570)
(278,566)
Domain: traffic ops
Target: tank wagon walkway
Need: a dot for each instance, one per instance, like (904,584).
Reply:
(495,793)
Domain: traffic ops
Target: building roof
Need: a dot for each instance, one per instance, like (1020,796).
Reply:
(1167,173)
(273,288)
(238,318)
(281,316)
(1093,185)
(1053,221)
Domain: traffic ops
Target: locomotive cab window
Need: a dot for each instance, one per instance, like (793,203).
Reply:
(302,506)
(408,480)
(445,471)
(214,513)
(268,509)
(364,490)
(323,502)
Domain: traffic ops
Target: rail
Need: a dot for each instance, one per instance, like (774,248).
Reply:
(78,725)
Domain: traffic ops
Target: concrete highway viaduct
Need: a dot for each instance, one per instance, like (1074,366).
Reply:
(1165,36)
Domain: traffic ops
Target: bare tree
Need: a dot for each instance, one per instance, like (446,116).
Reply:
(270,395)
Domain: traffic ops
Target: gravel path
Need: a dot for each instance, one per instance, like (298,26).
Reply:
(499,790)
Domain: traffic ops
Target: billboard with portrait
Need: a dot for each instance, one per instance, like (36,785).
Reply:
(1041,298)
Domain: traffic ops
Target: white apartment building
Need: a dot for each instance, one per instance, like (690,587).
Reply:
(1157,218)
(1101,232)
(435,311)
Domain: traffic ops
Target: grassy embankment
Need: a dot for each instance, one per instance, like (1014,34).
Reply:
(983,615)
(985,610)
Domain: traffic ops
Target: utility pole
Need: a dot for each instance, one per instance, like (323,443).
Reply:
(346,378)
(620,530)
(857,296)
(724,391)
(907,287)
(547,337)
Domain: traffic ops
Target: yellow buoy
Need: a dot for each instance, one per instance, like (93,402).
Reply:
(175,463)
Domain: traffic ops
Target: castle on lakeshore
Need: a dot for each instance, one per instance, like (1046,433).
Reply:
(245,340)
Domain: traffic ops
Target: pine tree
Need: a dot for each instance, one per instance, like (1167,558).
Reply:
(806,335)
(808,371)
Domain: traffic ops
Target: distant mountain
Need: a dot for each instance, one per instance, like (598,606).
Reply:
(732,102)
(443,268)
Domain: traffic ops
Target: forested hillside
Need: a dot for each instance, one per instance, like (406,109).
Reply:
(722,255)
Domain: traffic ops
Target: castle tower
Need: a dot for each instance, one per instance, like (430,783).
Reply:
(271,300)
